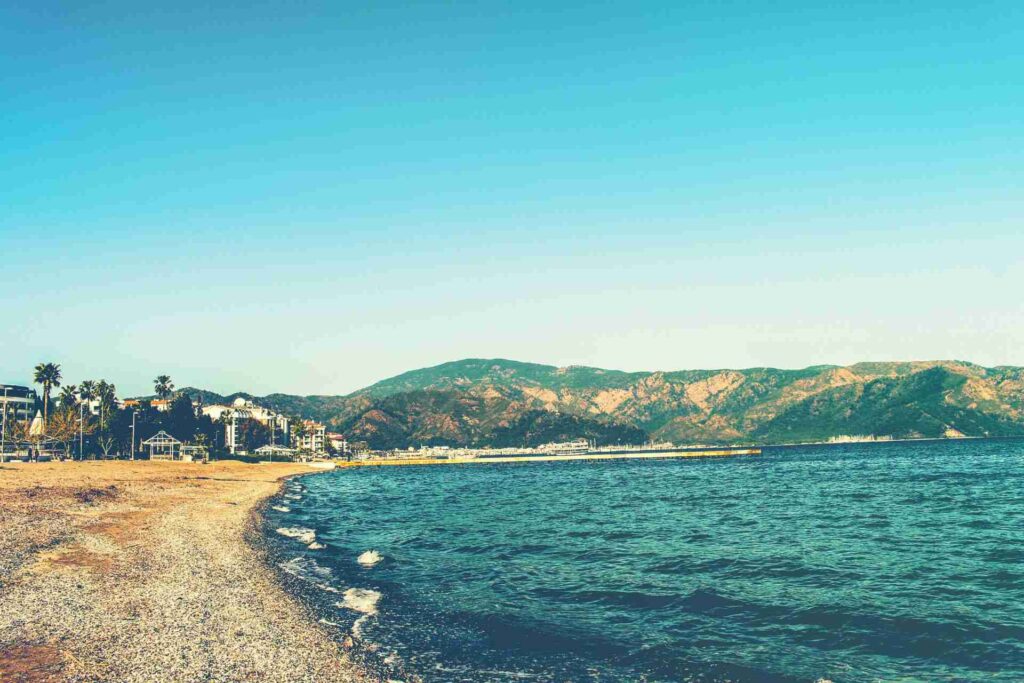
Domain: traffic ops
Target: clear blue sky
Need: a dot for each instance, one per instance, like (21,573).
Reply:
(309,197)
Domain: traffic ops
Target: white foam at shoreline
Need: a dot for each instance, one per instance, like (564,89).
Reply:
(369,558)
(316,546)
(357,626)
(360,600)
(308,570)
(281,508)
(299,533)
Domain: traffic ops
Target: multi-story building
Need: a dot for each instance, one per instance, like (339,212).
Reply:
(313,438)
(338,442)
(241,410)
(18,402)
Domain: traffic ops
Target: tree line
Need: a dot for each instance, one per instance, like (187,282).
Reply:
(86,420)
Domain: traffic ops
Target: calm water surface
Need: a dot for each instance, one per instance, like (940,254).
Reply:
(892,562)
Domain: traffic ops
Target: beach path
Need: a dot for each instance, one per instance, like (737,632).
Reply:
(142,571)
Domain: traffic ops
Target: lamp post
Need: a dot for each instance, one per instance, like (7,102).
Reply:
(3,430)
(81,430)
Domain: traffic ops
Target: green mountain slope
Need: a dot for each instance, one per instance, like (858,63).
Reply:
(495,401)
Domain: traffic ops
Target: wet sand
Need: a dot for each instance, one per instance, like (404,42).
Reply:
(149,571)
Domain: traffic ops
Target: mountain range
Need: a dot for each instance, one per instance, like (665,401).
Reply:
(509,403)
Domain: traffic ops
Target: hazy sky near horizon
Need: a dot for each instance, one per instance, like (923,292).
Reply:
(309,197)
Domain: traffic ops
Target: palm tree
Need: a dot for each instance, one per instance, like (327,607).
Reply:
(87,391)
(107,394)
(164,386)
(68,397)
(225,421)
(47,374)
(299,431)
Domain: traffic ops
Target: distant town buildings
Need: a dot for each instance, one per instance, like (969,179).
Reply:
(576,447)
(161,404)
(568,448)
(93,405)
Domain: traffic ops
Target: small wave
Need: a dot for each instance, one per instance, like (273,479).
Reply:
(360,600)
(281,508)
(308,570)
(316,546)
(298,533)
(369,558)
(292,496)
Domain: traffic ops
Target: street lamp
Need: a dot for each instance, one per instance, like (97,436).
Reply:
(134,413)
(3,430)
(81,430)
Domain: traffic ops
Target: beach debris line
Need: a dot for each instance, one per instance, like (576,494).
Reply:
(369,558)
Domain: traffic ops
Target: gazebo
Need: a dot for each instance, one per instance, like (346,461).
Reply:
(163,446)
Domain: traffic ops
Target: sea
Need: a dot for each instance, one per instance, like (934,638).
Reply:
(859,562)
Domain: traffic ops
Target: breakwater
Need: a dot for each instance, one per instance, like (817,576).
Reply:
(619,455)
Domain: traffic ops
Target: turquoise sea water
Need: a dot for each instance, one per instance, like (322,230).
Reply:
(891,562)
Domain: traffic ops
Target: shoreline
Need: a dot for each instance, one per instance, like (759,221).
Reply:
(140,571)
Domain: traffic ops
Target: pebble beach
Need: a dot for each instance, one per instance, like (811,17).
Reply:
(149,571)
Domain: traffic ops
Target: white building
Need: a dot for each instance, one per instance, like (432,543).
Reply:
(577,447)
(314,438)
(93,405)
(235,415)
(338,442)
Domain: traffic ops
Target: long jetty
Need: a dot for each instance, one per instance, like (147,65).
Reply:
(653,455)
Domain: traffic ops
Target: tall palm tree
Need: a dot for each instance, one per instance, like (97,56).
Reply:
(299,431)
(47,374)
(68,396)
(87,390)
(86,394)
(163,386)
(107,394)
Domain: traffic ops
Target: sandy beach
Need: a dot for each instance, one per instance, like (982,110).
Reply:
(141,571)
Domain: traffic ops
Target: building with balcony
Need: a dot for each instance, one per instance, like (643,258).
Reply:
(17,402)
(312,439)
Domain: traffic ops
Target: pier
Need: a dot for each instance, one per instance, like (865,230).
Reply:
(655,455)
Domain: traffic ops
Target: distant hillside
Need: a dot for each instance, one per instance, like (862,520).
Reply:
(478,401)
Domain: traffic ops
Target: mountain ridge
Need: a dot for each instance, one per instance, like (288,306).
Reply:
(477,401)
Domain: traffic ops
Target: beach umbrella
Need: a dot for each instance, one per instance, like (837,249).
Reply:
(36,428)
